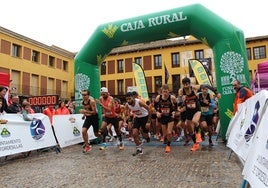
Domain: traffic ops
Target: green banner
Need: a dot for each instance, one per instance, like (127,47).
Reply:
(199,72)
(227,42)
(140,81)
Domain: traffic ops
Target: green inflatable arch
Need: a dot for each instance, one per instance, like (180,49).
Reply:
(227,42)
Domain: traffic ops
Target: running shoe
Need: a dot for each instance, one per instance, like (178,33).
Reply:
(187,140)
(195,147)
(210,142)
(103,147)
(138,152)
(180,138)
(121,146)
(165,141)
(87,149)
(198,137)
(167,149)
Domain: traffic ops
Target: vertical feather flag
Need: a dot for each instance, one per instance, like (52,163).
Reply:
(166,75)
(200,72)
(140,81)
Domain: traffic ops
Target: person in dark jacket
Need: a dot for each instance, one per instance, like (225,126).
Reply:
(4,107)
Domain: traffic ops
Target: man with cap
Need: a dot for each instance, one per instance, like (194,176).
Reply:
(109,117)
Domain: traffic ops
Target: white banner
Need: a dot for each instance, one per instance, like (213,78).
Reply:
(19,136)
(245,124)
(68,129)
(256,166)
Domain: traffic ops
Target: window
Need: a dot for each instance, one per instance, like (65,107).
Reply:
(157,82)
(138,60)
(64,89)
(35,56)
(50,86)
(175,59)
(51,61)
(65,65)
(249,54)
(157,62)
(103,83)
(103,68)
(259,52)
(199,54)
(120,87)
(35,85)
(120,66)
(176,83)
(16,50)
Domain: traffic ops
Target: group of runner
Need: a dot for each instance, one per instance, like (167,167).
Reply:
(191,114)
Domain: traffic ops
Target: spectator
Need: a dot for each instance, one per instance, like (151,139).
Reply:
(241,95)
(62,110)
(15,106)
(4,108)
(71,107)
(26,110)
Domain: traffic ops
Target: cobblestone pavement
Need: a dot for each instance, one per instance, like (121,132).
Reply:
(207,167)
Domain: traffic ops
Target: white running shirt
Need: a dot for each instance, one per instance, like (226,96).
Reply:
(138,110)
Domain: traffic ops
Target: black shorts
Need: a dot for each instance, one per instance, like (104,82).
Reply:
(207,118)
(190,114)
(112,121)
(153,116)
(92,120)
(140,123)
(164,120)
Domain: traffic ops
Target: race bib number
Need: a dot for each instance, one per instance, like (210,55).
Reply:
(165,110)
(191,105)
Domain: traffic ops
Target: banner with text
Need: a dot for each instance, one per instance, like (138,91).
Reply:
(256,166)
(140,81)
(19,136)
(242,130)
(68,129)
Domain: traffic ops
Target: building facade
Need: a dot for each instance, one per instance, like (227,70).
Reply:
(166,61)
(36,69)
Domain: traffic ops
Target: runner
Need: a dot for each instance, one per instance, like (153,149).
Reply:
(166,105)
(109,117)
(193,111)
(90,115)
(207,107)
(141,111)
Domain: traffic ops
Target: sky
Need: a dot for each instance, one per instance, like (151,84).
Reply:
(68,24)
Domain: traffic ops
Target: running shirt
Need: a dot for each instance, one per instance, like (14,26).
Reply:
(165,107)
(191,101)
(87,106)
(138,110)
(108,114)
(204,106)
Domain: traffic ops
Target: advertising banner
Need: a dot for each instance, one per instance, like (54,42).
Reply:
(245,124)
(68,129)
(256,166)
(140,81)
(19,136)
